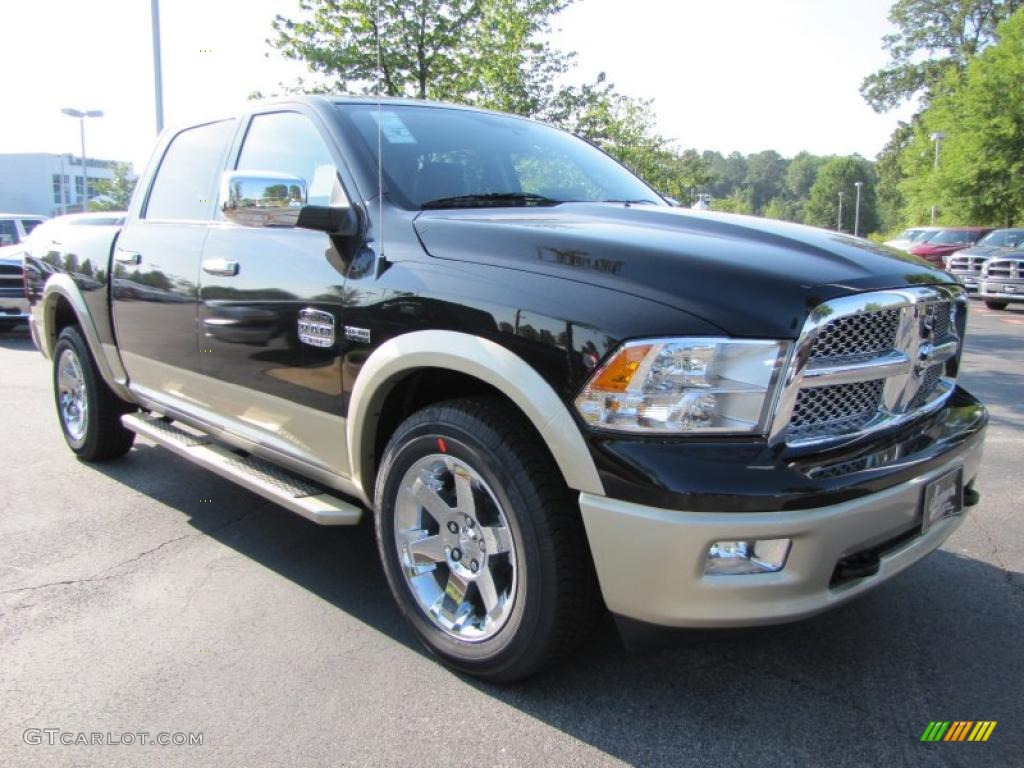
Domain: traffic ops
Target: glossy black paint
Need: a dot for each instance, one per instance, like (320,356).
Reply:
(749,476)
(561,287)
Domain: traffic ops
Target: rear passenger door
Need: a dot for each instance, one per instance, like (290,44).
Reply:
(268,383)
(156,265)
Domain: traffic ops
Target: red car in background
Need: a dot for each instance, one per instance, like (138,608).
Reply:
(948,241)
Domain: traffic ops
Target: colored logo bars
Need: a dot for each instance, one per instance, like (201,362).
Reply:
(958,730)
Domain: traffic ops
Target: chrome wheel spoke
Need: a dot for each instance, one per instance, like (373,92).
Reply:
(496,539)
(71,395)
(428,498)
(464,493)
(423,549)
(454,596)
(488,592)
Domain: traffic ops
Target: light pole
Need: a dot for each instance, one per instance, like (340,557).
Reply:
(839,220)
(158,85)
(856,215)
(937,137)
(81,115)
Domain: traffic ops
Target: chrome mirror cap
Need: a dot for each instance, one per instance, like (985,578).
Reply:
(262,198)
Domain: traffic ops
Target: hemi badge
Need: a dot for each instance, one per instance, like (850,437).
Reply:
(316,328)
(357,334)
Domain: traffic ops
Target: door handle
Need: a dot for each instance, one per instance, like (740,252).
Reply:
(224,267)
(128,257)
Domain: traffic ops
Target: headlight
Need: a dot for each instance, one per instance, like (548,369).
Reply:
(685,385)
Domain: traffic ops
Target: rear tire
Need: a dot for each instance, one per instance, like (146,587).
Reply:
(482,543)
(88,410)
(996,304)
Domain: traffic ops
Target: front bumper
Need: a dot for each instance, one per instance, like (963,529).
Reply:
(14,308)
(969,280)
(1006,289)
(650,560)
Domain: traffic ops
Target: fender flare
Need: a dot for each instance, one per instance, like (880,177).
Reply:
(107,361)
(484,360)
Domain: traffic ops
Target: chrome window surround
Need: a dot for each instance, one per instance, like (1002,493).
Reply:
(903,367)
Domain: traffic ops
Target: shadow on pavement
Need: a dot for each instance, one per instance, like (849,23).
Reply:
(856,686)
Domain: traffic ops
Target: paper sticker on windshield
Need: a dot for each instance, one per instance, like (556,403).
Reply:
(393,128)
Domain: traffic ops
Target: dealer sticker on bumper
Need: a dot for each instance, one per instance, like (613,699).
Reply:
(943,497)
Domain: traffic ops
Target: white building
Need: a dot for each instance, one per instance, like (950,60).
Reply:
(46,184)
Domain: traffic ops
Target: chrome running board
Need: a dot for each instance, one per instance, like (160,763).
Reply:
(280,486)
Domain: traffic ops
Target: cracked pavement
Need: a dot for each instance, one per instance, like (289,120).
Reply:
(128,603)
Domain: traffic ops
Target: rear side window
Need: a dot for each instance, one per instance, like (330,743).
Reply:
(287,142)
(30,224)
(8,232)
(186,180)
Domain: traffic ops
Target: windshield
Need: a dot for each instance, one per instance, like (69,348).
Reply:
(451,158)
(1003,237)
(953,237)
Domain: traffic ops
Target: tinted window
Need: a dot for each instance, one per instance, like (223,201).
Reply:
(30,224)
(953,237)
(287,142)
(431,153)
(187,177)
(8,232)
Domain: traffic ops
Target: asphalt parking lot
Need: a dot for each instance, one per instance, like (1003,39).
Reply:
(148,596)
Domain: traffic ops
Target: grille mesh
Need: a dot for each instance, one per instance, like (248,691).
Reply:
(928,383)
(836,410)
(937,316)
(867,334)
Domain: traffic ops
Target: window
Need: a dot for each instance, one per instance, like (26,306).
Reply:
(287,142)
(185,181)
(8,232)
(79,186)
(30,224)
(430,153)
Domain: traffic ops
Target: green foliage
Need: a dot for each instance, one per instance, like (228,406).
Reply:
(840,174)
(933,39)
(486,52)
(115,193)
(978,180)
(889,170)
(737,202)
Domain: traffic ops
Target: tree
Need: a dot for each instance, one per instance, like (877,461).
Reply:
(840,174)
(932,39)
(486,52)
(114,194)
(982,162)
(766,173)
(889,170)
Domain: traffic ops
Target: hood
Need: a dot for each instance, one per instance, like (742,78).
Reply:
(748,276)
(987,251)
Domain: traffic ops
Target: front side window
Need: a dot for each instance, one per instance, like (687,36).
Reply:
(439,157)
(30,224)
(8,232)
(288,143)
(187,177)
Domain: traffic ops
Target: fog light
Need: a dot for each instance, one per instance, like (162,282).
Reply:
(739,557)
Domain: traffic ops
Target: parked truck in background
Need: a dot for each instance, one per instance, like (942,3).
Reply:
(554,391)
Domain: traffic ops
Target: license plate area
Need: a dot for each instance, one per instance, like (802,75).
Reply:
(943,497)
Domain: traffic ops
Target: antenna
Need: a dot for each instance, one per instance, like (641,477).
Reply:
(380,139)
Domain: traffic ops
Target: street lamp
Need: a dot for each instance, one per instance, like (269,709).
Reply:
(839,221)
(856,215)
(81,115)
(937,137)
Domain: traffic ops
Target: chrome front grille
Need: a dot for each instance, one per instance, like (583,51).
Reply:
(869,361)
(857,335)
(836,409)
(966,264)
(1003,268)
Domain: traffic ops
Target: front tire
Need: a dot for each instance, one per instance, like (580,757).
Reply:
(482,543)
(88,410)
(996,304)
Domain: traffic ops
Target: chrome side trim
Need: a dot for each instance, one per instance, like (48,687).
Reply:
(899,367)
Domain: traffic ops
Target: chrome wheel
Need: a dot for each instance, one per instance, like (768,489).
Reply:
(71,394)
(455,548)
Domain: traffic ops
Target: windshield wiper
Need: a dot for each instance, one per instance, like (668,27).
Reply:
(641,201)
(490,199)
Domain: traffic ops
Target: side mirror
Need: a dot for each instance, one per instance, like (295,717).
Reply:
(262,198)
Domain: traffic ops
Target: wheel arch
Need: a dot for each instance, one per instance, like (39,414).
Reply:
(481,360)
(62,305)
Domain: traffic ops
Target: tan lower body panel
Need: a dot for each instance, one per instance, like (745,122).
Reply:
(311,436)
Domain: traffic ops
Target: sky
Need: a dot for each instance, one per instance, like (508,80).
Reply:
(743,75)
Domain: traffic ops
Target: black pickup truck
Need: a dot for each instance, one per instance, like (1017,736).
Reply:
(553,389)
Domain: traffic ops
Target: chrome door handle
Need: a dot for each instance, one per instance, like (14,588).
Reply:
(220,267)
(128,257)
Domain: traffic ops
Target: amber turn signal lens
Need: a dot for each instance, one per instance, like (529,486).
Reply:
(618,372)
